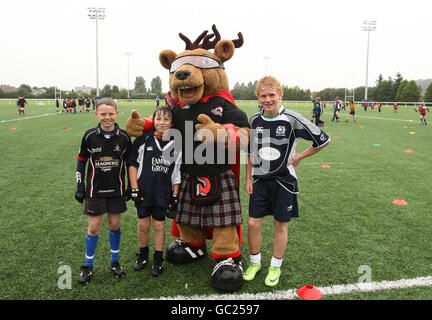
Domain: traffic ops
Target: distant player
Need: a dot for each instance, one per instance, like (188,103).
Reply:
(87,104)
(336,109)
(422,110)
(379,106)
(395,107)
(21,102)
(317,111)
(65,105)
(351,111)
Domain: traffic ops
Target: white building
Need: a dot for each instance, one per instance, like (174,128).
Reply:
(84,89)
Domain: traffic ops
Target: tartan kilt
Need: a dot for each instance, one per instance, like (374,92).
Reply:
(223,213)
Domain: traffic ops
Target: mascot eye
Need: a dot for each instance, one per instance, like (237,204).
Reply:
(198,61)
(206,61)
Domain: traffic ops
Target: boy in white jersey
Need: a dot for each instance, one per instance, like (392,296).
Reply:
(272,156)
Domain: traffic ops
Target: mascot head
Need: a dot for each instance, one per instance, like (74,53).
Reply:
(197,72)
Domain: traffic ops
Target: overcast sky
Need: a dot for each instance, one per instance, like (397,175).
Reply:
(314,44)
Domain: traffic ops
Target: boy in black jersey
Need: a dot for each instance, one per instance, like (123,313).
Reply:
(155,178)
(106,148)
(273,191)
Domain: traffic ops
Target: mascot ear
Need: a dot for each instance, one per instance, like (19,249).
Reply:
(224,50)
(166,57)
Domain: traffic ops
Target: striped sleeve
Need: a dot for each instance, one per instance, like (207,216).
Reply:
(305,129)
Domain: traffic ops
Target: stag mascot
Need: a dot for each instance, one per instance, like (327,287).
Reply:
(213,130)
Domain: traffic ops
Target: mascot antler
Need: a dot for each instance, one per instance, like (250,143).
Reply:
(206,43)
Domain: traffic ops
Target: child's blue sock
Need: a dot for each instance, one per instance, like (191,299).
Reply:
(90,244)
(114,240)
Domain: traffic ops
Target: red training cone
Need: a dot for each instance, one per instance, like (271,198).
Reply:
(400,202)
(64,128)
(325,165)
(408,151)
(309,292)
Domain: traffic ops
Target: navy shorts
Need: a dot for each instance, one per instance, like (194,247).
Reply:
(99,206)
(269,197)
(158,213)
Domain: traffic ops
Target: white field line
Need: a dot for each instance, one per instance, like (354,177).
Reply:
(32,117)
(381,118)
(320,163)
(332,290)
(357,115)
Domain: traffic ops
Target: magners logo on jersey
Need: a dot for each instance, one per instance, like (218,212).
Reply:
(106,163)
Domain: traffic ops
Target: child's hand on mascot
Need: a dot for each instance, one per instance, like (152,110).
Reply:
(135,125)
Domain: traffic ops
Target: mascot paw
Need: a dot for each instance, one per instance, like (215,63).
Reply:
(208,131)
(179,252)
(227,275)
(135,124)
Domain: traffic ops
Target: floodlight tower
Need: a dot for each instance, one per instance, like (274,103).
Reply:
(266,61)
(96,14)
(128,54)
(368,25)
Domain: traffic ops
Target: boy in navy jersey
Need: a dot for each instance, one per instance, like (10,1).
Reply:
(155,178)
(106,148)
(272,163)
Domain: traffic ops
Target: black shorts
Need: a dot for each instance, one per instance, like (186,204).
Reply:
(352,112)
(269,197)
(158,213)
(99,206)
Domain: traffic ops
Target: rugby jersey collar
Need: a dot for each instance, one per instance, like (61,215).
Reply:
(281,111)
(116,129)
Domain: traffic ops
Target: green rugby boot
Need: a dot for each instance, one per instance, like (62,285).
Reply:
(273,276)
(251,271)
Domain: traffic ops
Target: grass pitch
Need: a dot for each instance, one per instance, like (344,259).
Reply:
(347,218)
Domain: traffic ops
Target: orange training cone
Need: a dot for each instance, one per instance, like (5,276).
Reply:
(64,128)
(13,128)
(408,151)
(400,202)
(325,165)
(309,292)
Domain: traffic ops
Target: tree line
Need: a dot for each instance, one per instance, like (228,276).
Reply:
(384,90)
